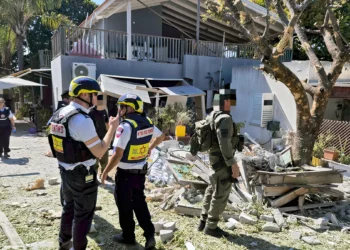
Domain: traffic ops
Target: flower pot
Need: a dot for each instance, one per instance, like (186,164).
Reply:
(330,154)
(316,162)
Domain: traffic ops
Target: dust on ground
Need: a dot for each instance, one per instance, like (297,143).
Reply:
(28,211)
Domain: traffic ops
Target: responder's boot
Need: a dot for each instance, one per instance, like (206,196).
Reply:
(217,232)
(6,155)
(201,225)
(120,239)
(150,243)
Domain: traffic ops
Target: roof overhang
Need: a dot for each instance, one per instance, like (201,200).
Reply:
(183,13)
(8,82)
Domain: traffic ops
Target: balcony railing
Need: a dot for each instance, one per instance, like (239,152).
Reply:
(111,44)
(45,58)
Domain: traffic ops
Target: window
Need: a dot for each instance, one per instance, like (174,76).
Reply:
(262,112)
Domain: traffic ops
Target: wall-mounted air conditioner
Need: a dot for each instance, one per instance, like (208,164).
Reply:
(84,69)
(263,104)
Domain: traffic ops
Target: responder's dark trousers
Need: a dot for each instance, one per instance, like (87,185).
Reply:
(129,196)
(5,134)
(78,199)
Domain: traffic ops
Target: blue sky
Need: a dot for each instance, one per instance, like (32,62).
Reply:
(98,1)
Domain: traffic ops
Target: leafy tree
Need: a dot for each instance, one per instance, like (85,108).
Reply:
(7,48)
(326,25)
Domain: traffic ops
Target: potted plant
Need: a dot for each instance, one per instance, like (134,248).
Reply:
(318,150)
(331,154)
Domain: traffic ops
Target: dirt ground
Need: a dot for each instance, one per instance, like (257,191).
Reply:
(27,211)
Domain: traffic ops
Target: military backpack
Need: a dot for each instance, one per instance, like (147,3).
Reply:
(204,136)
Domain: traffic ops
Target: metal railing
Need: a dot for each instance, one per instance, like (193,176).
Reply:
(45,58)
(112,44)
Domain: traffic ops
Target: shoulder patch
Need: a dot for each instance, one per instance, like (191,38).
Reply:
(119,132)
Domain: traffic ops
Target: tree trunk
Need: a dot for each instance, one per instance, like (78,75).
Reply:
(20,61)
(303,144)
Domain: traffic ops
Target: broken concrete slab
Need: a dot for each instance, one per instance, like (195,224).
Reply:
(321,222)
(311,240)
(333,218)
(345,230)
(166,235)
(295,235)
(271,227)
(169,226)
(292,219)
(189,246)
(268,218)
(158,225)
(246,219)
(232,224)
(279,218)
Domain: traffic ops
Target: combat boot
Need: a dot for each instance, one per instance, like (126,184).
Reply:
(217,232)
(201,225)
(150,243)
(120,239)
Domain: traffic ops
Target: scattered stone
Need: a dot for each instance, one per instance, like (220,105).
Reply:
(295,235)
(311,240)
(158,225)
(232,224)
(331,243)
(31,221)
(93,228)
(55,215)
(24,205)
(5,185)
(246,219)
(41,193)
(199,198)
(15,204)
(345,230)
(166,235)
(268,218)
(270,227)
(253,244)
(53,181)
(321,221)
(331,217)
(169,226)
(278,218)
(308,232)
(292,219)
(253,212)
(46,244)
(189,246)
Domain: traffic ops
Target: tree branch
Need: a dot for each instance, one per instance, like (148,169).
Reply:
(337,36)
(314,32)
(309,88)
(266,31)
(282,15)
(330,44)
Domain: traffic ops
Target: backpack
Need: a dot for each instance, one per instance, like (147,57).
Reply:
(204,136)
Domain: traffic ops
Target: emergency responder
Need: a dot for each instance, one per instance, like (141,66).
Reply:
(221,157)
(7,123)
(65,100)
(75,144)
(131,148)
(100,117)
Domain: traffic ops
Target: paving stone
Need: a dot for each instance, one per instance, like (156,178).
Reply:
(166,235)
(311,240)
(271,227)
(268,218)
(292,219)
(246,219)
(232,224)
(321,222)
(169,226)
(53,181)
(295,235)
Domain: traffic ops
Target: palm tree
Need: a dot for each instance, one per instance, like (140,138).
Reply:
(7,46)
(18,13)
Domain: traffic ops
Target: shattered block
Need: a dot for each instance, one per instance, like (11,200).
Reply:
(166,235)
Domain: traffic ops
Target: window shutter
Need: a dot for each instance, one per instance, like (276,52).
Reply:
(257,106)
(267,109)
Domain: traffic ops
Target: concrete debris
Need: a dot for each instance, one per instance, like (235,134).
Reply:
(345,230)
(278,218)
(46,244)
(331,217)
(295,235)
(53,181)
(268,218)
(24,205)
(31,221)
(199,198)
(308,232)
(331,243)
(321,222)
(15,204)
(271,227)
(246,219)
(93,228)
(170,226)
(253,244)
(6,185)
(158,225)
(41,193)
(253,212)
(311,240)
(166,235)
(189,246)
(232,224)
(292,219)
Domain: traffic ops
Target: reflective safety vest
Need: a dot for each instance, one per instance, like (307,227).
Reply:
(63,146)
(4,118)
(141,135)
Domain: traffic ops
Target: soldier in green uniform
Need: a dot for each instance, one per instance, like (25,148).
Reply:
(221,156)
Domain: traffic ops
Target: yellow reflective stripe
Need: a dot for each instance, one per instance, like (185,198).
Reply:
(132,121)
(150,121)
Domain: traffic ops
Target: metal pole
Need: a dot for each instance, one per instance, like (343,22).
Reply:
(198,20)
(128,30)
(222,56)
